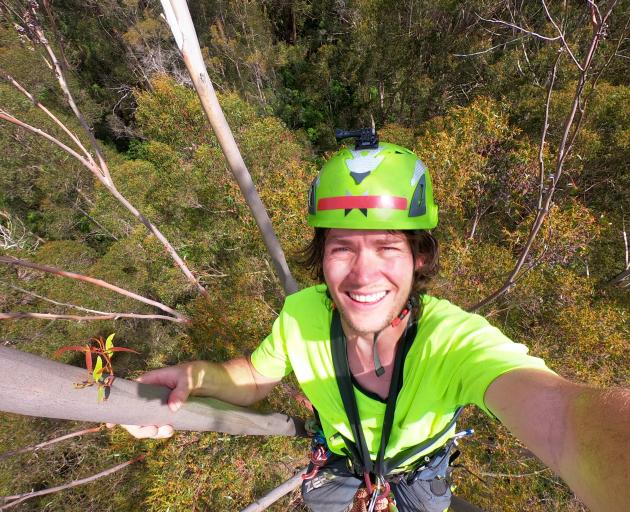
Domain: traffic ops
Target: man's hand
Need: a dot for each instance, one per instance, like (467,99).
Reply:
(235,381)
(181,379)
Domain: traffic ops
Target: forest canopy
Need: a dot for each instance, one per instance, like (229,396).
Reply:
(481,91)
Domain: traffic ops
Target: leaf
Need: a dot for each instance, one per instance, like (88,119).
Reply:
(98,369)
(67,348)
(88,359)
(123,349)
(109,344)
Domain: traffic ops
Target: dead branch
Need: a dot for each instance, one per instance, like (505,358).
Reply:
(20,498)
(275,494)
(85,318)
(571,128)
(50,442)
(178,317)
(181,25)
(102,315)
(100,170)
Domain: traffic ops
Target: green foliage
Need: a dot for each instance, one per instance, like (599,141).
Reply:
(288,73)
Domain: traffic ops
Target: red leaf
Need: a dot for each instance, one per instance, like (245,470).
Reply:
(122,349)
(88,359)
(66,348)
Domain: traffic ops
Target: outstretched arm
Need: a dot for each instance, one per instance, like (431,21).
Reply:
(580,432)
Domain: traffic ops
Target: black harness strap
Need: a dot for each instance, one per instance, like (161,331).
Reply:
(359,449)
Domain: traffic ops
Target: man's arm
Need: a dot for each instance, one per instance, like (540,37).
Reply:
(581,433)
(234,381)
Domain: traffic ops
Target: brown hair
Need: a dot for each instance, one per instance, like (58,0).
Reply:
(422,243)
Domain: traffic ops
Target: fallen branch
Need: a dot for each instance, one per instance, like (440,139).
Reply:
(178,317)
(50,442)
(20,498)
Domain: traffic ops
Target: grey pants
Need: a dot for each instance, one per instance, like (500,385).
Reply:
(334,487)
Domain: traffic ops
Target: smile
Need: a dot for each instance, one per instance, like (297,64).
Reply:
(370,298)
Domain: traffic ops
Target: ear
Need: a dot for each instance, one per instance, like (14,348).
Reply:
(420,259)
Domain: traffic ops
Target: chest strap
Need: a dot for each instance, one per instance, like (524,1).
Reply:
(358,450)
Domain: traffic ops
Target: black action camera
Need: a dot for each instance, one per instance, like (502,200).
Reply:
(365,138)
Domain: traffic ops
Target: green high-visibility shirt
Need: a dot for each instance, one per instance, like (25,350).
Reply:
(452,361)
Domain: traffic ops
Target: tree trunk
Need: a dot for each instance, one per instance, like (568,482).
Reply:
(34,386)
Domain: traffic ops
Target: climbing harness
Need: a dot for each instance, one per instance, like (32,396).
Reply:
(358,451)
(319,453)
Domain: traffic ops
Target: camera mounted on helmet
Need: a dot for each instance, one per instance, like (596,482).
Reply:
(365,138)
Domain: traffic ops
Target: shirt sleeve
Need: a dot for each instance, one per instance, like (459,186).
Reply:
(477,353)
(270,357)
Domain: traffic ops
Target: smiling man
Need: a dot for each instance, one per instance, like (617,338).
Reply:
(389,368)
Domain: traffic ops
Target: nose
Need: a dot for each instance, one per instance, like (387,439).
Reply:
(364,267)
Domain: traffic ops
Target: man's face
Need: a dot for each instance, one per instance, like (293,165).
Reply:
(369,275)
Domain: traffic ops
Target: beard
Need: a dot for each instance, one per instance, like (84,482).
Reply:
(372,325)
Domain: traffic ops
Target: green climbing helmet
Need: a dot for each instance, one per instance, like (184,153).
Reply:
(383,188)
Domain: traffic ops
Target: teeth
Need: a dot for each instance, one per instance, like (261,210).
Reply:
(372,297)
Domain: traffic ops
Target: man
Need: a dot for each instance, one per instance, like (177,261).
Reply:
(388,367)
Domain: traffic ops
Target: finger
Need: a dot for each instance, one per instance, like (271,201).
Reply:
(177,398)
(164,432)
(110,425)
(141,431)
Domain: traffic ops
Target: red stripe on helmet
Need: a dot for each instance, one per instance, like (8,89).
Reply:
(350,202)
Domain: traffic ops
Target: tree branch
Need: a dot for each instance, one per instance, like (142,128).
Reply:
(275,494)
(20,498)
(543,137)
(50,442)
(562,38)
(98,282)
(32,27)
(571,128)
(56,120)
(86,318)
(181,25)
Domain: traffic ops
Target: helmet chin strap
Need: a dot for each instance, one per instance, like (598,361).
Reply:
(378,367)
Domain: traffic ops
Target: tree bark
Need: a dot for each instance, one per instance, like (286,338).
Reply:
(180,22)
(34,386)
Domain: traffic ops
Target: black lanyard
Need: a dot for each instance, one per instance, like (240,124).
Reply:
(359,449)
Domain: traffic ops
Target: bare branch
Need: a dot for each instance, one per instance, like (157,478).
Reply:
(98,282)
(61,79)
(543,137)
(515,475)
(519,28)
(572,125)
(181,25)
(72,136)
(8,117)
(86,318)
(487,50)
(50,442)
(562,38)
(100,170)
(275,494)
(20,498)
